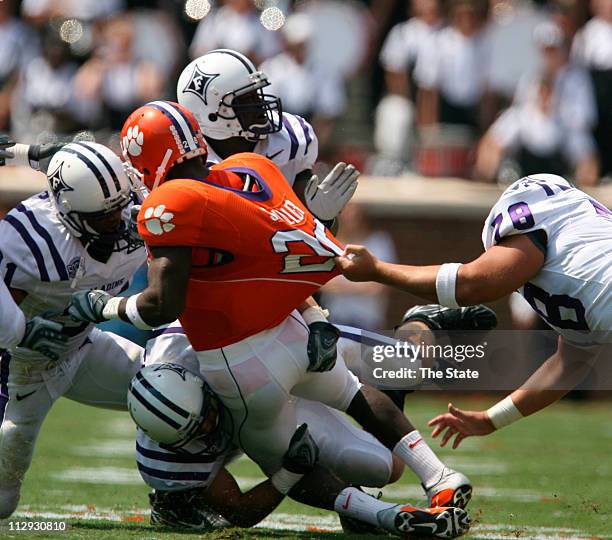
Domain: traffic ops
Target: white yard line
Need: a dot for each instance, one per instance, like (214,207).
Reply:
(107,448)
(99,475)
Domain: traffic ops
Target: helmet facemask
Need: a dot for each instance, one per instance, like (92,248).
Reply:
(259,114)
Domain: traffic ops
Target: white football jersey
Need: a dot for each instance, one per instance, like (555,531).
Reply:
(39,256)
(573,290)
(293,149)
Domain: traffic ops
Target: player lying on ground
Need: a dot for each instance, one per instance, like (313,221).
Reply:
(552,243)
(187,472)
(225,93)
(179,477)
(72,237)
(235,264)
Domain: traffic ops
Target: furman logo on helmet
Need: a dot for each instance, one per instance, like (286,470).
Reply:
(57,183)
(199,82)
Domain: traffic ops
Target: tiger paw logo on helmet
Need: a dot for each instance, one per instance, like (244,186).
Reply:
(157,220)
(133,141)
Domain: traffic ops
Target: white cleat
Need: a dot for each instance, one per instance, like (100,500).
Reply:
(453,489)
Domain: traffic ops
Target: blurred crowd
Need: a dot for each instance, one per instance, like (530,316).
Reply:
(487,90)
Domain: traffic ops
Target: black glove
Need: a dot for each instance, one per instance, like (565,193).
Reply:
(88,306)
(44,336)
(5,142)
(322,341)
(302,454)
(40,155)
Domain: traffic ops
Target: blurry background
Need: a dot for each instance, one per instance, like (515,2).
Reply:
(439,102)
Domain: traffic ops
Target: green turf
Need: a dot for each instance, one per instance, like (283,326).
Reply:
(560,458)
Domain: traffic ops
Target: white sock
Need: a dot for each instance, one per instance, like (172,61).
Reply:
(359,505)
(416,453)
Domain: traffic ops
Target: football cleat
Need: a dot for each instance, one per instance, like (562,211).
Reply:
(453,489)
(438,317)
(408,521)
(183,511)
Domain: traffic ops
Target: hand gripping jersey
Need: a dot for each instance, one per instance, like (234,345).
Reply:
(573,290)
(257,255)
(293,149)
(39,256)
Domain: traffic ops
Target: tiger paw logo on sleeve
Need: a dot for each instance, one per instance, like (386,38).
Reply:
(157,220)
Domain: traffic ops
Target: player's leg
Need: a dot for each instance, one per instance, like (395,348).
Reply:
(108,364)
(350,453)
(377,414)
(24,404)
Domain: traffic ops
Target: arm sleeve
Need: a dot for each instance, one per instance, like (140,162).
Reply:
(12,320)
(394,55)
(530,204)
(173,215)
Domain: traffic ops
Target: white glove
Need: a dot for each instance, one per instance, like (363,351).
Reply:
(327,198)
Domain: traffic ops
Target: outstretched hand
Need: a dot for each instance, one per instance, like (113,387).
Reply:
(460,423)
(358,264)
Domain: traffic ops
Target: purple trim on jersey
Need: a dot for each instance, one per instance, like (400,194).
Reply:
(306,132)
(5,359)
(60,265)
(292,136)
(173,475)
(260,196)
(35,250)
(163,331)
(175,457)
(10,273)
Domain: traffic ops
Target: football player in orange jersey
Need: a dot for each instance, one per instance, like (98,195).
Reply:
(234,264)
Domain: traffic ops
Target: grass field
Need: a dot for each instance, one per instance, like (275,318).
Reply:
(547,477)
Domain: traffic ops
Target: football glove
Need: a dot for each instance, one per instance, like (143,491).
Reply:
(5,142)
(321,349)
(40,155)
(303,452)
(44,336)
(88,306)
(326,198)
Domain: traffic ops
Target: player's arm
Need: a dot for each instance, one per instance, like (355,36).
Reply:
(499,271)
(559,374)
(162,302)
(36,156)
(249,508)
(37,334)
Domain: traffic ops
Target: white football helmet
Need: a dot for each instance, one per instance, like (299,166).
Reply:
(171,404)
(224,91)
(86,182)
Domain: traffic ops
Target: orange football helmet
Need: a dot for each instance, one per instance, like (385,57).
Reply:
(157,136)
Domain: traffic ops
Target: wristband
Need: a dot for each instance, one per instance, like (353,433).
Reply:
(283,480)
(131,310)
(111,309)
(446,282)
(314,314)
(504,413)
(20,155)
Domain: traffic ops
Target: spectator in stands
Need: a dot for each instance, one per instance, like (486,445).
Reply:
(305,88)
(548,127)
(116,76)
(18,45)
(85,10)
(406,42)
(452,76)
(236,26)
(44,96)
(513,51)
(363,305)
(592,48)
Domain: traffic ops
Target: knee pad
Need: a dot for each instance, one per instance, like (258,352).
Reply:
(9,499)
(367,467)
